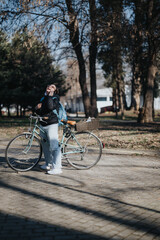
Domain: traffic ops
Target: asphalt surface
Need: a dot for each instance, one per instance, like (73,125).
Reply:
(117,199)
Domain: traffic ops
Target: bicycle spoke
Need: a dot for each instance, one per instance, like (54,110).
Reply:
(23,152)
(83,150)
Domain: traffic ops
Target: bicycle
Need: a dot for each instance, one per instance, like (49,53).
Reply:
(82,150)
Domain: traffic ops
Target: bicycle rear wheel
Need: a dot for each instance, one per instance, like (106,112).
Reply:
(83,150)
(23,152)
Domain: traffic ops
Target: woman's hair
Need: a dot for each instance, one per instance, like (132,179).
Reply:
(56,91)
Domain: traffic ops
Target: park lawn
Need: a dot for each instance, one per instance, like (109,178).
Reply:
(128,116)
(115,133)
(130,135)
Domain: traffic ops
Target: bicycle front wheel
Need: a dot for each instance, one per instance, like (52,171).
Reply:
(83,150)
(23,152)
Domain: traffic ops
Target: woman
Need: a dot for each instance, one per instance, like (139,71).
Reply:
(50,145)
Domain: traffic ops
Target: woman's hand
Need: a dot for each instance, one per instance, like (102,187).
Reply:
(39,105)
(51,93)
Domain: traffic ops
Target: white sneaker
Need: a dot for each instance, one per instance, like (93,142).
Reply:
(55,171)
(46,167)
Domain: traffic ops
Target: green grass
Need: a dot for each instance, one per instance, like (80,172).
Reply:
(4,121)
(128,116)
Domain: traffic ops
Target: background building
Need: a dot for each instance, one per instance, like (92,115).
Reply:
(73,102)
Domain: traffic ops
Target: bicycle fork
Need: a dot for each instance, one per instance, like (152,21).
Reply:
(25,151)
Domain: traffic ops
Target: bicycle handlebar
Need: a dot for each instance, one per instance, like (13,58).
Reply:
(72,123)
(37,117)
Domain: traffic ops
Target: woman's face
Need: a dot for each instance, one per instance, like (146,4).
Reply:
(50,89)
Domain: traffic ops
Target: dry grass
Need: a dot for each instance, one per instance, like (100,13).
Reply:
(130,135)
(10,132)
(113,134)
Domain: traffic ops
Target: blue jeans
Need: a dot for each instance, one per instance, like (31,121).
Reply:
(50,145)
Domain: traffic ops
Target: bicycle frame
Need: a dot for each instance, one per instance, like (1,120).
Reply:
(33,132)
(62,143)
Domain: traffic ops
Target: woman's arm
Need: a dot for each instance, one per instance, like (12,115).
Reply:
(47,106)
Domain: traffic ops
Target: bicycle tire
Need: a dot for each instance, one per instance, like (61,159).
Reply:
(20,155)
(83,150)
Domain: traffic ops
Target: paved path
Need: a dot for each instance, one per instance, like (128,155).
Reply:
(117,199)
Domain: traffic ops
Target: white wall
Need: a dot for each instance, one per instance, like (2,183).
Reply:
(104,98)
(128,99)
(157,103)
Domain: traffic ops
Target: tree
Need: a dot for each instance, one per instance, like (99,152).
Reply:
(145,47)
(136,53)
(78,22)
(73,27)
(30,70)
(111,54)
(82,28)
(153,37)
(4,66)
(93,54)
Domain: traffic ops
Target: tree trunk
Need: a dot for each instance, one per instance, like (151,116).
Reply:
(121,102)
(117,55)
(137,57)
(84,89)
(21,111)
(136,91)
(120,84)
(136,101)
(8,107)
(74,39)
(17,109)
(92,58)
(0,111)
(148,98)
(24,112)
(94,111)
(152,68)
(115,101)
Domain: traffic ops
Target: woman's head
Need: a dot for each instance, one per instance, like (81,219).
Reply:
(51,89)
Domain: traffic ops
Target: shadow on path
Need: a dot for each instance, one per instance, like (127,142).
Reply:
(16,227)
(135,222)
(94,194)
